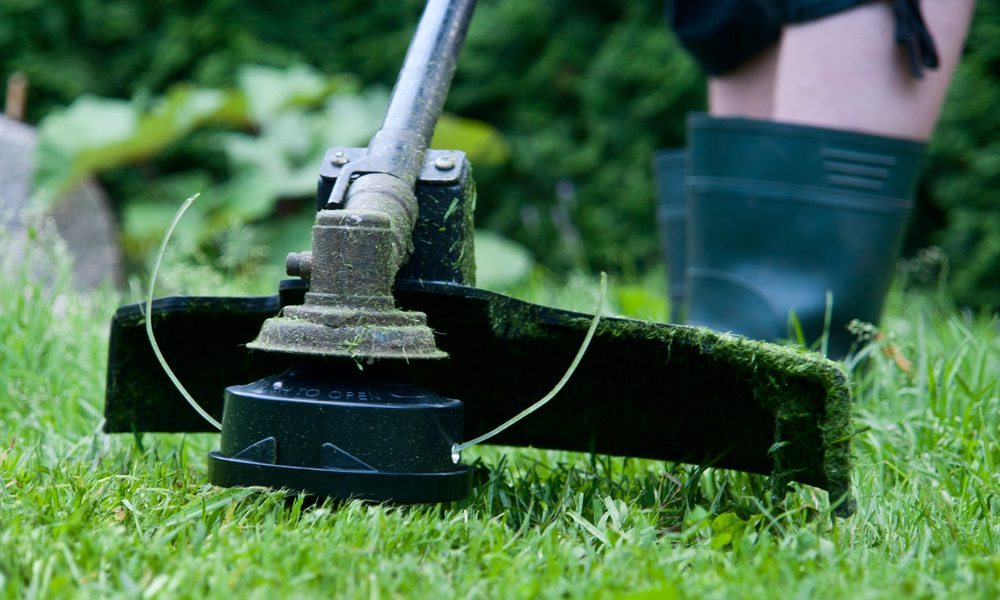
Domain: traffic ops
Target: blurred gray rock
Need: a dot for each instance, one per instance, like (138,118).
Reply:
(83,217)
(17,142)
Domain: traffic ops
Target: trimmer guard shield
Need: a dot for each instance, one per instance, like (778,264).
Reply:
(644,389)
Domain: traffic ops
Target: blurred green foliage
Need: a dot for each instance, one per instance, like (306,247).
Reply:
(963,172)
(583,93)
(272,130)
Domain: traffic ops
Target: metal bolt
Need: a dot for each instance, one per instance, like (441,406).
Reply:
(340,159)
(444,163)
(299,264)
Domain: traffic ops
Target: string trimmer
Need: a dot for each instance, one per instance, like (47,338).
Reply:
(383,309)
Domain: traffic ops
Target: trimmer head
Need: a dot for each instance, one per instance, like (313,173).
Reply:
(332,430)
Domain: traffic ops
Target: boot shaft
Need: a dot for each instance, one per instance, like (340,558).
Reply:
(787,220)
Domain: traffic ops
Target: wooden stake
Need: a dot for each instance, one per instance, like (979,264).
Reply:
(17,96)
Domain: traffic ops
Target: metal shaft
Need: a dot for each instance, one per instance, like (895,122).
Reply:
(421,88)
(363,237)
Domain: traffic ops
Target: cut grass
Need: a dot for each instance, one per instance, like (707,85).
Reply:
(86,514)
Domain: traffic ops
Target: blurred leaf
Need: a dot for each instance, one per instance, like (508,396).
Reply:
(727,529)
(664,592)
(146,220)
(248,197)
(65,136)
(268,90)
(290,233)
(146,215)
(640,301)
(352,119)
(96,134)
(499,261)
(91,122)
(483,143)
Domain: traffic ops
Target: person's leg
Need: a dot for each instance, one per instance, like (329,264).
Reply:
(805,214)
(846,71)
(734,43)
(746,91)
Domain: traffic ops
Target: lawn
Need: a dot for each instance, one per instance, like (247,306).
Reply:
(91,515)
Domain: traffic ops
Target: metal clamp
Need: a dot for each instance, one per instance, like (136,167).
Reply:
(441,167)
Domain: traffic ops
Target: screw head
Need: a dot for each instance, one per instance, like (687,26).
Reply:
(340,159)
(444,163)
(299,264)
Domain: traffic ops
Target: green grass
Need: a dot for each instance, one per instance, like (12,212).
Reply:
(91,515)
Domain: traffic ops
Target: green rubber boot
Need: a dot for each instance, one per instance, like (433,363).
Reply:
(669,170)
(783,217)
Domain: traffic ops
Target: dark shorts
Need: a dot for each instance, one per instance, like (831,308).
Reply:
(722,34)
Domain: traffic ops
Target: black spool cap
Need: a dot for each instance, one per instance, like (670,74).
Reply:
(331,430)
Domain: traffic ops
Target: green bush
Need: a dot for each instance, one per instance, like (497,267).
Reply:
(582,91)
(272,130)
(963,171)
